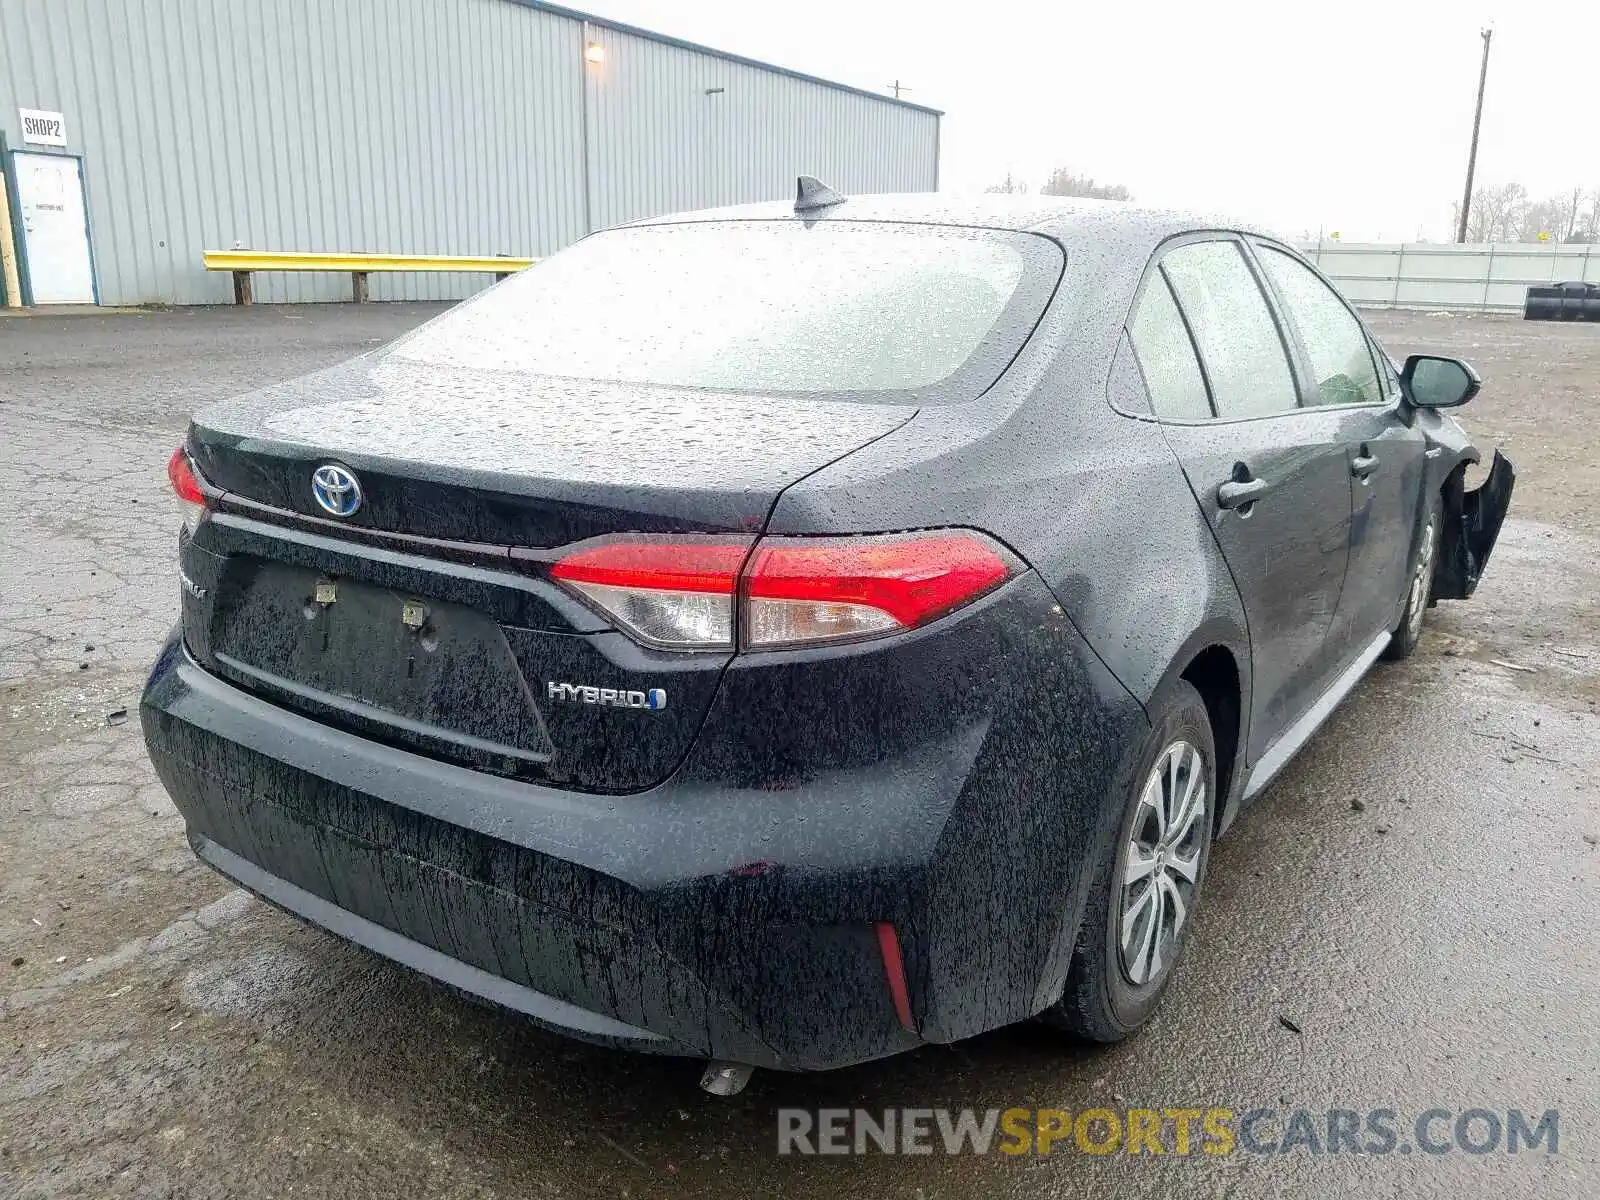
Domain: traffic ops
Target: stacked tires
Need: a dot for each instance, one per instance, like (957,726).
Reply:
(1563,302)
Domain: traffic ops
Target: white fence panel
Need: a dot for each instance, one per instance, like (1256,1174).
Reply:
(1492,277)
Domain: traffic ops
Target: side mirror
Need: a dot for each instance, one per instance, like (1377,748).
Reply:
(1434,382)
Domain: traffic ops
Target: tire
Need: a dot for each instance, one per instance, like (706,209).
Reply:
(1419,589)
(1111,992)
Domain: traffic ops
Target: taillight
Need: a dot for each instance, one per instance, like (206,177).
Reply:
(674,593)
(181,472)
(686,593)
(800,590)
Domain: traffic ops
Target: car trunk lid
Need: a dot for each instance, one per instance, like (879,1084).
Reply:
(426,618)
(515,459)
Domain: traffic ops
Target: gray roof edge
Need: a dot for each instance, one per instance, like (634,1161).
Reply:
(561,10)
(1033,214)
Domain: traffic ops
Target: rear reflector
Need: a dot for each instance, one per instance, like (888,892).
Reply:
(685,593)
(894,973)
(180,472)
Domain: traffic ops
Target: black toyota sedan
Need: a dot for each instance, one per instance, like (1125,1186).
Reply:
(788,635)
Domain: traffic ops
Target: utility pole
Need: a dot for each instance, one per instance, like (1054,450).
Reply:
(897,87)
(1472,155)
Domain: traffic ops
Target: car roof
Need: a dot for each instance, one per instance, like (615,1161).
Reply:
(1058,216)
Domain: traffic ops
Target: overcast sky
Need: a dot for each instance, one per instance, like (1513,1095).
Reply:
(1352,116)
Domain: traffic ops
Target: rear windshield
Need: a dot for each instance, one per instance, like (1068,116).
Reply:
(875,311)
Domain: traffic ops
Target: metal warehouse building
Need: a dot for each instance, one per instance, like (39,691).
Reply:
(139,133)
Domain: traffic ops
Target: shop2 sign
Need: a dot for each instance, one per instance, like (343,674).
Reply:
(41,128)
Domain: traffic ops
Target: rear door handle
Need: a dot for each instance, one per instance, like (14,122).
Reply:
(1363,465)
(1237,493)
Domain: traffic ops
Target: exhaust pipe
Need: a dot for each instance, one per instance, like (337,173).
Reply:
(724,1078)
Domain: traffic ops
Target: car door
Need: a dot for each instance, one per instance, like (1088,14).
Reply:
(1382,445)
(1271,476)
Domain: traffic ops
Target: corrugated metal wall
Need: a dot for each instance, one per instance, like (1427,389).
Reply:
(673,129)
(417,126)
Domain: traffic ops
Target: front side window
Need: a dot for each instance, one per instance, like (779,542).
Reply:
(1166,356)
(1334,340)
(1238,339)
(854,310)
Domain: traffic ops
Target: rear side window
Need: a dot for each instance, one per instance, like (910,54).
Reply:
(855,309)
(1334,340)
(1166,356)
(1238,339)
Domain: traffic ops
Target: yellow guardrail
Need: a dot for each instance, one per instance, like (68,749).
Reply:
(242,262)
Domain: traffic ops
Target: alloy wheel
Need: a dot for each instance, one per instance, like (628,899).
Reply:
(1417,603)
(1161,866)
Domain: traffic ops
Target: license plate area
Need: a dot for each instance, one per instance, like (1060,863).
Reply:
(412,669)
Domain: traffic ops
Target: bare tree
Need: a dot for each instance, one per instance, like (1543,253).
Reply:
(1504,213)
(1011,187)
(1588,226)
(1506,205)
(1497,212)
(1555,217)
(1063,182)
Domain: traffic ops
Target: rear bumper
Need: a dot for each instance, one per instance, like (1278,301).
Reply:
(707,919)
(546,1010)
(506,890)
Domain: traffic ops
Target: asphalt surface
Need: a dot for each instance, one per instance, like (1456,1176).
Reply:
(1405,921)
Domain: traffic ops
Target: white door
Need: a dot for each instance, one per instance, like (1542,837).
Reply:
(55,228)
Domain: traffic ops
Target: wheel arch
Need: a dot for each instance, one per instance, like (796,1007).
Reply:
(1215,661)
(1214,673)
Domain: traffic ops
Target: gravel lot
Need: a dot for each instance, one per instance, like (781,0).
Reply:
(1405,921)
